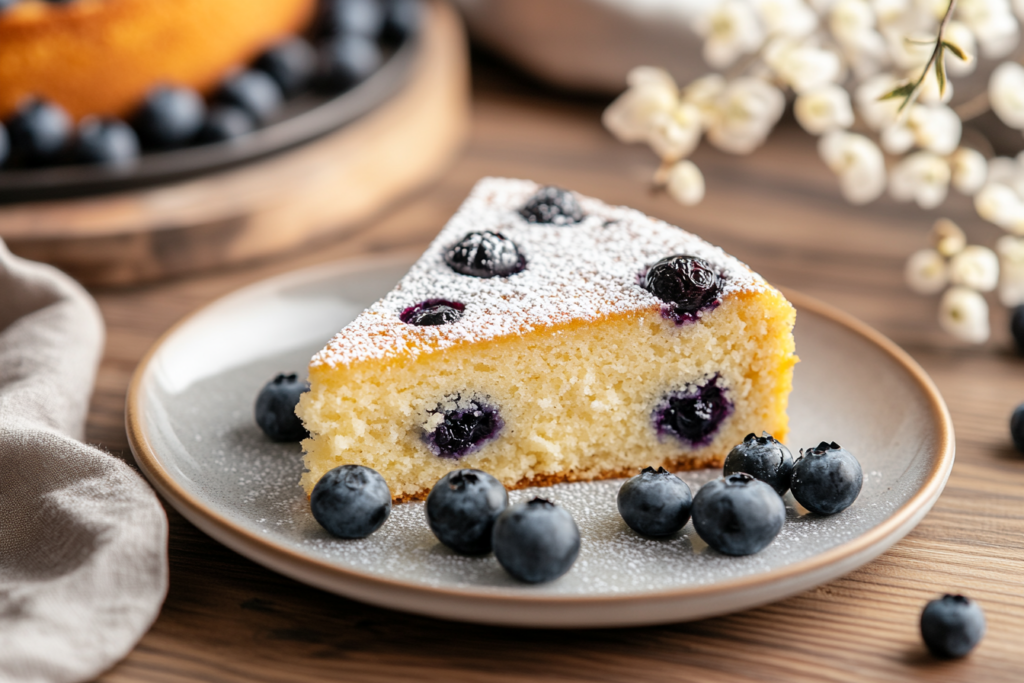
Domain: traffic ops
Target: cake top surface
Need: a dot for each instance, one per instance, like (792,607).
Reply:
(580,271)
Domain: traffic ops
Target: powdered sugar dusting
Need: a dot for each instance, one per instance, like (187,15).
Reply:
(577,272)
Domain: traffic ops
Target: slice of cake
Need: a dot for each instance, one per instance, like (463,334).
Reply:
(547,337)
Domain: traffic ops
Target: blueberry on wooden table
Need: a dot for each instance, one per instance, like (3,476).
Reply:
(110,142)
(351,501)
(952,626)
(1017,427)
(737,514)
(39,132)
(826,478)
(291,63)
(655,502)
(462,508)
(275,408)
(763,458)
(536,541)
(170,117)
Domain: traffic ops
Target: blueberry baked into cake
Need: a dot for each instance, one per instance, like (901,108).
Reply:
(547,337)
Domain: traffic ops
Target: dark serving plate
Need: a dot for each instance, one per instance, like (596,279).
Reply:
(301,120)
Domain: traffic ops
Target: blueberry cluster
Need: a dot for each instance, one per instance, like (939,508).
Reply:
(742,512)
(467,510)
(345,46)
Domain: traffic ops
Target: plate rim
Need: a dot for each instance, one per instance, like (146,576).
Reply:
(326,575)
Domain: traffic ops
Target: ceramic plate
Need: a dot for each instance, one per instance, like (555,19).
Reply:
(190,423)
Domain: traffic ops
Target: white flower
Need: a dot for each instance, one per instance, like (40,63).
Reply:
(923,177)
(963,313)
(801,66)
(925,272)
(745,112)
(730,29)
(631,116)
(825,109)
(908,40)
(889,11)
(976,267)
(898,138)
(685,183)
(849,19)
(993,25)
(1003,170)
(960,35)
(936,128)
(877,113)
(703,93)
(948,238)
(791,18)
(969,170)
(676,133)
(857,161)
(1011,270)
(1006,93)
(999,204)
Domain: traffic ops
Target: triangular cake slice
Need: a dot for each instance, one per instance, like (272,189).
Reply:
(547,337)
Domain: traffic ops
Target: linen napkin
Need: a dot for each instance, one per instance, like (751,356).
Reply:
(83,539)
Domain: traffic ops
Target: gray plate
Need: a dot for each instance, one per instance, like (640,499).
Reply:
(190,422)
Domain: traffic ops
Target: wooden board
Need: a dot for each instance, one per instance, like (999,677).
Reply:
(321,189)
(227,619)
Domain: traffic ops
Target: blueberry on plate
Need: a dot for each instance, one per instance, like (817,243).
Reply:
(5,144)
(253,91)
(686,282)
(655,503)
(485,254)
(462,507)
(346,61)
(225,122)
(1017,427)
(111,142)
(351,501)
(170,117)
(737,514)
(764,458)
(826,478)
(352,17)
(552,205)
(952,626)
(275,408)
(291,63)
(39,132)
(536,541)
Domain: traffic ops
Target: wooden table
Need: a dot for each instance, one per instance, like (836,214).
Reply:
(228,619)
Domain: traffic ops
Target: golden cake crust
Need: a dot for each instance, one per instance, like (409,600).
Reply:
(103,56)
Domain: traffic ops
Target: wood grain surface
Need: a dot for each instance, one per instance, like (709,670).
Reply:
(275,204)
(227,619)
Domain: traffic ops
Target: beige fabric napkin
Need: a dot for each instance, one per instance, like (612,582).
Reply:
(83,539)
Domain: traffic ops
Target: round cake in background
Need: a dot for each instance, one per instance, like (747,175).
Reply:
(102,56)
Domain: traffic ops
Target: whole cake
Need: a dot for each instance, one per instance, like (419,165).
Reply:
(103,56)
(547,337)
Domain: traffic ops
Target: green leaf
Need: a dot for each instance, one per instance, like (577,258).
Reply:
(956,50)
(940,72)
(905,90)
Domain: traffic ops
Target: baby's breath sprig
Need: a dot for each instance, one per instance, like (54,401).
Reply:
(909,91)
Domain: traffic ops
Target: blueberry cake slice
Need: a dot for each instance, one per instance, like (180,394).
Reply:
(546,337)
